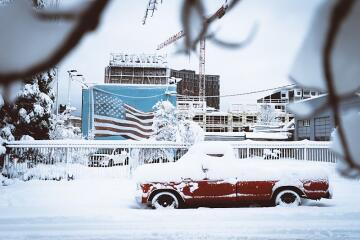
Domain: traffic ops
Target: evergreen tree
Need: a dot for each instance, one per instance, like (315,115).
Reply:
(30,114)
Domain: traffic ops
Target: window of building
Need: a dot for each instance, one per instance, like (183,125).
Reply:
(198,118)
(322,128)
(306,123)
(236,119)
(236,129)
(303,132)
(251,119)
(313,93)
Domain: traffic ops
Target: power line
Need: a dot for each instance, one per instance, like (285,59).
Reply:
(242,94)
(125,96)
(181,95)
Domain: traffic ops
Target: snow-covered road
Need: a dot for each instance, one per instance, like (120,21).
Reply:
(104,209)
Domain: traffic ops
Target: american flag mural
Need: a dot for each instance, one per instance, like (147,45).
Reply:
(121,111)
(113,117)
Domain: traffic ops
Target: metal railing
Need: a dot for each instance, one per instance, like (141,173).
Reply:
(55,160)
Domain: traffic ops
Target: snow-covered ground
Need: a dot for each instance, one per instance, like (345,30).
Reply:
(101,208)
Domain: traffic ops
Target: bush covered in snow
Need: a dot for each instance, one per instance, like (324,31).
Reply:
(62,127)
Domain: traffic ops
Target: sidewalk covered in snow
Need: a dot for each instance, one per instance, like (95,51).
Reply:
(101,208)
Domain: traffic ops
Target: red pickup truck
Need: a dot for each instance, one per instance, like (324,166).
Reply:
(210,175)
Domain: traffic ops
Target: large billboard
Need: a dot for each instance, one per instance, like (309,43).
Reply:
(118,111)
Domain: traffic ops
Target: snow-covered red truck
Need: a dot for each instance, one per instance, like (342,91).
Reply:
(210,175)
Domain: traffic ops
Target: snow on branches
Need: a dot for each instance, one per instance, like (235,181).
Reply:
(169,125)
(267,116)
(62,127)
(329,61)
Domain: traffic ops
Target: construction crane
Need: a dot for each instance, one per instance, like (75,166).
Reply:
(217,15)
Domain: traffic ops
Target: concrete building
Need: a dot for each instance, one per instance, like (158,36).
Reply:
(320,126)
(122,107)
(153,69)
(189,86)
(137,69)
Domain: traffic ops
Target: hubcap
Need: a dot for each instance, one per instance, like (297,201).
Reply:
(165,200)
(288,198)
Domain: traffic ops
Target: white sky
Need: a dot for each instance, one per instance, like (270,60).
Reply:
(265,63)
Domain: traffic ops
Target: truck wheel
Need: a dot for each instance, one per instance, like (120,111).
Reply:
(165,200)
(287,198)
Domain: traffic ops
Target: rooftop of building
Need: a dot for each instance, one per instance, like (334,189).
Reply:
(138,60)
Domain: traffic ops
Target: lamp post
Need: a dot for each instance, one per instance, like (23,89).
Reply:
(71,74)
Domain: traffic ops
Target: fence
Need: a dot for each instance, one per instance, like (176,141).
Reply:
(81,158)
(298,150)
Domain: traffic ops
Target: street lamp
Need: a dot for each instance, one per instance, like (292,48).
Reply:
(70,72)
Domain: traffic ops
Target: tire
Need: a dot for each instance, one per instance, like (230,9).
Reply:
(165,200)
(287,198)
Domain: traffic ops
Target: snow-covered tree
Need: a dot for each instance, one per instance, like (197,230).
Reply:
(165,121)
(30,114)
(267,116)
(169,125)
(33,107)
(62,127)
(189,132)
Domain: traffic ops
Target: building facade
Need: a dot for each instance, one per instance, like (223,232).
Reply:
(152,69)
(122,108)
(189,86)
(137,69)
(244,117)
(320,126)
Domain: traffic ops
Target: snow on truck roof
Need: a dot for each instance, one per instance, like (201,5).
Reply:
(211,150)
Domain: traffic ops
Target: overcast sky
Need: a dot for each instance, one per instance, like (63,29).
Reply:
(265,63)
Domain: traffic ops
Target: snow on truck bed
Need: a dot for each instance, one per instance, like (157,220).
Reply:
(217,161)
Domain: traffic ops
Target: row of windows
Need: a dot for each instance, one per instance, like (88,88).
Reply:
(138,80)
(322,129)
(138,71)
(224,119)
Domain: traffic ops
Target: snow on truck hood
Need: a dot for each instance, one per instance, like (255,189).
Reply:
(216,161)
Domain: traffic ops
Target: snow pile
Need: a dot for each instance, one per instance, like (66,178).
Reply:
(49,172)
(26,138)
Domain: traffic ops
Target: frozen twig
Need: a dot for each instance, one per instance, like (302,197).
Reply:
(338,15)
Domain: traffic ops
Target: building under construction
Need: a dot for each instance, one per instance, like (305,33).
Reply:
(153,69)
(137,69)
(189,86)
